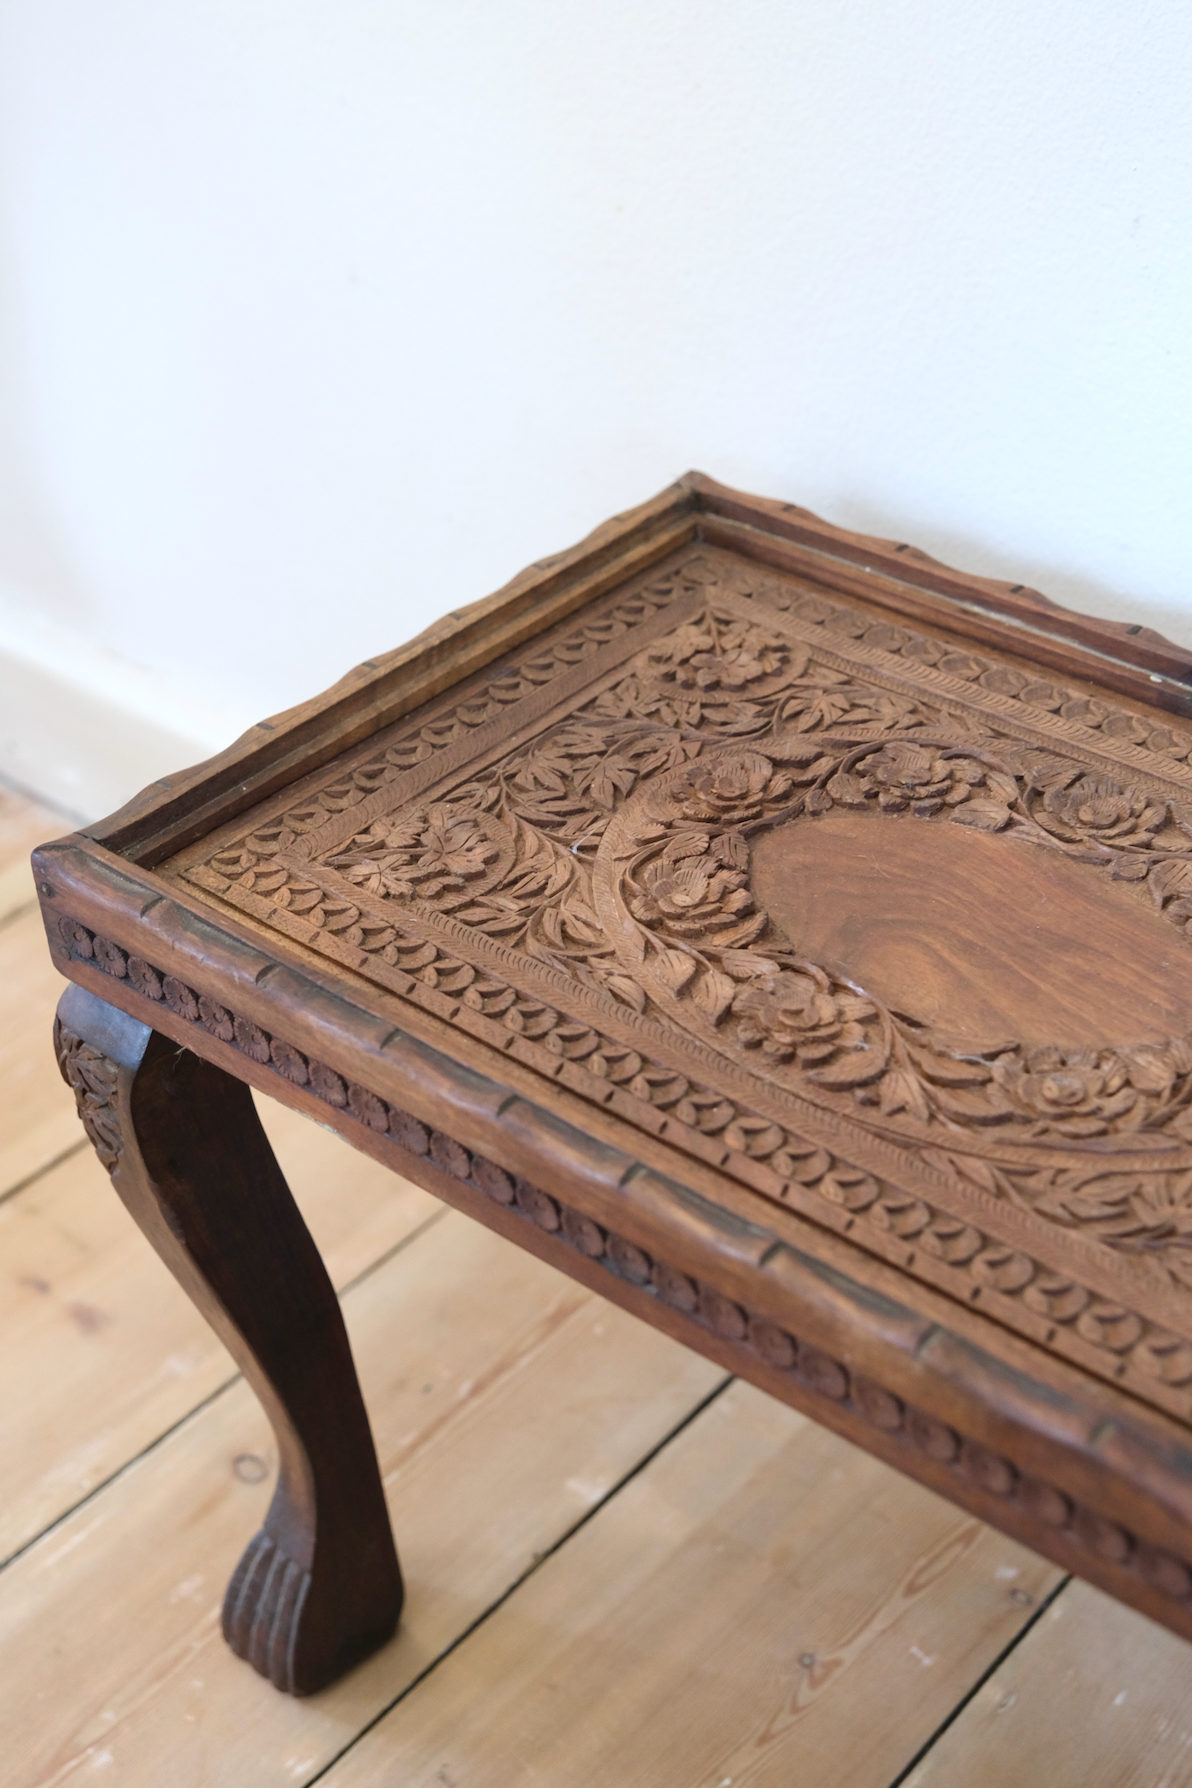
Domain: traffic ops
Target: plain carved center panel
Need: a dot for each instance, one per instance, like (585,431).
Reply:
(976,935)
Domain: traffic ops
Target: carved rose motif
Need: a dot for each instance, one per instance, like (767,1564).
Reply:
(906,776)
(794,1014)
(92,1077)
(1086,1090)
(1099,806)
(695,829)
(908,773)
(694,658)
(728,789)
(1082,1091)
(695,898)
(435,851)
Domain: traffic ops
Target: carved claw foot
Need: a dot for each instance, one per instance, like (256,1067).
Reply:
(262,1611)
(300,1640)
(319,1587)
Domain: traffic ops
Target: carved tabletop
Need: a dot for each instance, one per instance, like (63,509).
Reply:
(779,932)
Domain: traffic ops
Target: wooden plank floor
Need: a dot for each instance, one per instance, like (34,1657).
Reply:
(621,1567)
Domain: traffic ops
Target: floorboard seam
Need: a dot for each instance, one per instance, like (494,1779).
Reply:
(375,1266)
(46,1167)
(1026,1627)
(120,1471)
(535,1565)
(198,1409)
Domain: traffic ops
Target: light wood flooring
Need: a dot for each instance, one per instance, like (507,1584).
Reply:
(622,1568)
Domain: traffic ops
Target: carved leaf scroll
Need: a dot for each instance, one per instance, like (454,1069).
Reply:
(679,888)
(755,728)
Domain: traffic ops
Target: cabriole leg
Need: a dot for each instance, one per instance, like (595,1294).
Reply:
(319,1586)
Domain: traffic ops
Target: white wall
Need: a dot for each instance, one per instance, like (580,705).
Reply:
(319,319)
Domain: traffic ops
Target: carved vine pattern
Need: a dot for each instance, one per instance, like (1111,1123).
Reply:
(92,1078)
(821,1378)
(423,740)
(511,855)
(1114,1337)
(1037,695)
(701,932)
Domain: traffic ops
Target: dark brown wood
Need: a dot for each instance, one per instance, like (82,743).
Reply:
(894,573)
(165,816)
(770,926)
(318,1587)
(956,961)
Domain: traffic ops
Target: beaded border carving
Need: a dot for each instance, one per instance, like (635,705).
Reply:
(818,1374)
(1132,1348)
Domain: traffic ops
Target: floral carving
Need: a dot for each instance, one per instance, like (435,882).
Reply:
(711,732)
(1148,1213)
(684,884)
(906,776)
(1142,1212)
(1086,1090)
(730,678)
(1098,807)
(729,656)
(799,1015)
(511,854)
(696,898)
(93,1080)
(249,862)
(1036,695)
(434,852)
(727,789)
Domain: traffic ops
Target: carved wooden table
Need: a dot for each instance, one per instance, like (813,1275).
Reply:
(782,934)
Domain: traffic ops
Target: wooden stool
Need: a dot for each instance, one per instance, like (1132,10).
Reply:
(782,934)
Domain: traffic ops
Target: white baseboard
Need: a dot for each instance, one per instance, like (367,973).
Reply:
(83,729)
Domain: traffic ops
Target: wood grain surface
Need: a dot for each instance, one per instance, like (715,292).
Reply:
(112,1667)
(23,823)
(842,1588)
(983,943)
(505,1401)
(101,1352)
(48,1126)
(1094,1697)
